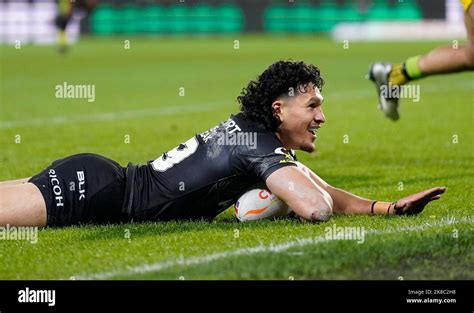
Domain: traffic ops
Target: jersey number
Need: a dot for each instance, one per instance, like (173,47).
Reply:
(178,154)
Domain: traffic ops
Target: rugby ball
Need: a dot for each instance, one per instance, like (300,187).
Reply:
(258,204)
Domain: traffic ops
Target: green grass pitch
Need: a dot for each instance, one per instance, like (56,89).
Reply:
(137,98)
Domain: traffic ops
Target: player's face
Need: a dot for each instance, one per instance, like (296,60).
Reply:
(301,116)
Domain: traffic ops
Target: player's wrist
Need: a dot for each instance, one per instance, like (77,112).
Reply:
(382,208)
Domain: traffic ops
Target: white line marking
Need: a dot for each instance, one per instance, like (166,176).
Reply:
(113,116)
(276,248)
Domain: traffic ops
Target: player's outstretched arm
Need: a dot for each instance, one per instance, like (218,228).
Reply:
(348,203)
(301,193)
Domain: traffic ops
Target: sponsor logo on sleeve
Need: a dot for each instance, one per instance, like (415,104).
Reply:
(288,157)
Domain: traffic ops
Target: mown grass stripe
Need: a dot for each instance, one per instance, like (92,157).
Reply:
(183,261)
(113,116)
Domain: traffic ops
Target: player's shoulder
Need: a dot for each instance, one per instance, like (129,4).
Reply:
(265,142)
(246,137)
(264,139)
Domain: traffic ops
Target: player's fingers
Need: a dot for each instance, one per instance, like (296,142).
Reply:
(433,192)
(435,197)
(440,190)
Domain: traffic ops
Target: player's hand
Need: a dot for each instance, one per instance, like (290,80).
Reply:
(415,203)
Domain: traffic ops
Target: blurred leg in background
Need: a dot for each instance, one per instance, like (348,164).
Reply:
(442,60)
(64,16)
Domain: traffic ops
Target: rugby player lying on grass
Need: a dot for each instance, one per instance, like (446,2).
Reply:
(204,175)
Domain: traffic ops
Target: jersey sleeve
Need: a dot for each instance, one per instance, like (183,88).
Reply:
(266,158)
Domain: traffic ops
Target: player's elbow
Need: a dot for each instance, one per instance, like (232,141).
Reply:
(319,209)
(321,213)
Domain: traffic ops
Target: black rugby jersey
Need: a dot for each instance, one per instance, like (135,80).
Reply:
(203,176)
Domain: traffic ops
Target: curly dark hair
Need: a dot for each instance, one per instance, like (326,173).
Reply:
(257,98)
